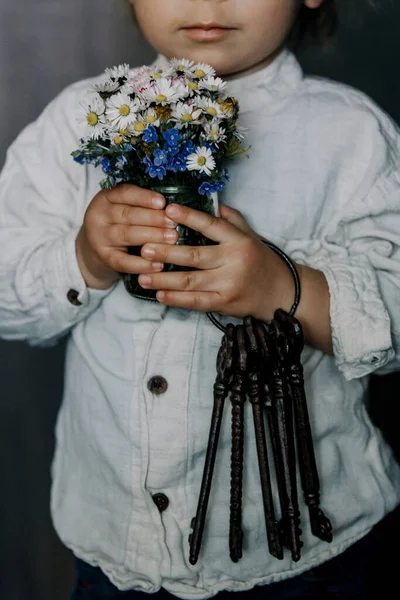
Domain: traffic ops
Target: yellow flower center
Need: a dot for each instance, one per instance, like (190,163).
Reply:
(161,98)
(150,118)
(124,132)
(201,161)
(124,110)
(220,101)
(92,119)
(200,73)
(214,134)
(212,111)
(139,126)
(187,117)
(180,68)
(118,140)
(193,86)
(157,76)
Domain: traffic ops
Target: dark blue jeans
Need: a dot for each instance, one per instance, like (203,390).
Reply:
(342,577)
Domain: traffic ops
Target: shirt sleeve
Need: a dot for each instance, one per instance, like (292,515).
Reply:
(42,204)
(358,250)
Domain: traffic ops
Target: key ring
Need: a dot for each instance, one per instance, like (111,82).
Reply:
(296,279)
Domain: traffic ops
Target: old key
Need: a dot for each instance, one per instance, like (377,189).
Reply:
(258,367)
(320,524)
(221,390)
(238,399)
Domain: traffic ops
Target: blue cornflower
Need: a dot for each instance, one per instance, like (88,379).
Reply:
(171,150)
(157,171)
(121,162)
(128,147)
(148,163)
(172,137)
(219,186)
(150,135)
(177,163)
(80,160)
(206,189)
(160,157)
(106,165)
(188,148)
(225,175)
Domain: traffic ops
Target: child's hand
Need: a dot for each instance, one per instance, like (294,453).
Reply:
(241,276)
(115,219)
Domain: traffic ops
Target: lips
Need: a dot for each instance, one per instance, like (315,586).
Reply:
(207,32)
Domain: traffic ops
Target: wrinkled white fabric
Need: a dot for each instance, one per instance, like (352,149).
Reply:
(323,183)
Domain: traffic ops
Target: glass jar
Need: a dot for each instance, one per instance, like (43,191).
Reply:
(174,194)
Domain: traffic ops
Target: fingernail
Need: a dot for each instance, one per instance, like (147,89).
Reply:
(173,210)
(158,202)
(145,280)
(169,222)
(148,251)
(170,235)
(157,265)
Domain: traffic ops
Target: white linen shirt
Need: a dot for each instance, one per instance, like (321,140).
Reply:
(323,183)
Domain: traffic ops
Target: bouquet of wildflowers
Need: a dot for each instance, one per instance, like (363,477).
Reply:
(151,125)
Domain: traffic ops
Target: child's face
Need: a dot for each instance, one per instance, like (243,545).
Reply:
(246,34)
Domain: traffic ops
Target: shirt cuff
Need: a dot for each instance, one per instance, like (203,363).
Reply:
(68,297)
(360,323)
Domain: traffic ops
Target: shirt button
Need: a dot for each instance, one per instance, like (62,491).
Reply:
(157,385)
(72,296)
(161,501)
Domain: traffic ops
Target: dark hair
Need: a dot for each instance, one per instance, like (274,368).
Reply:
(318,25)
(315,25)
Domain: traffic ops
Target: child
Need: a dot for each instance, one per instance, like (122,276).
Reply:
(322,182)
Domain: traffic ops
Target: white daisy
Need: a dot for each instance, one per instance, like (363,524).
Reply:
(193,88)
(213,84)
(164,92)
(182,65)
(210,107)
(91,117)
(122,110)
(108,86)
(214,133)
(150,117)
(202,70)
(186,114)
(119,71)
(202,160)
(240,132)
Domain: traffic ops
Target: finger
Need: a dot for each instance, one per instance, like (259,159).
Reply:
(134,196)
(189,281)
(130,235)
(202,302)
(197,257)
(134,215)
(236,218)
(122,262)
(215,228)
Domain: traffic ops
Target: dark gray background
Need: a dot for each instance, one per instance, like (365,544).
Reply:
(45,45)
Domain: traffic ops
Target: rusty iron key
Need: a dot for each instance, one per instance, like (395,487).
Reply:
(257,365)
(320,525)
(221,391)
(282,414)
(238,399)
